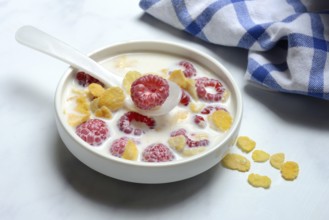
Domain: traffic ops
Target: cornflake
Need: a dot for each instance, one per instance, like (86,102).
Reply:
(236,162)
(82,105)
(191,89)
(257,180)
(113,98)
(187,152)
(260,156)
(245,144)
(131,151)
(129,78)
(177,142)
(221,119)
(289,170)
(75,120)
(178,77)
(96,90)
(276,160)
(103,112)
(196,107)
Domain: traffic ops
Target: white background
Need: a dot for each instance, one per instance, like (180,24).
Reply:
(41,179)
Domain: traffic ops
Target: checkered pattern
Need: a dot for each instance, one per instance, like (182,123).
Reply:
(287,39)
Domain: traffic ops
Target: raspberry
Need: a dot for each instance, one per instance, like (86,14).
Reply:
(203,82)
(189,141)
(93,131)
(125,126)
(185,99)
(199,120)
(189,69)
(157,153)
(208,109)
(85,79)
(149,91)
(118,146)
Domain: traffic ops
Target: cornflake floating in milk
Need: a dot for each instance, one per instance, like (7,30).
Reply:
(129,78)
(196,107)
(131,151)
(222,120)
(113,98)
(177,142)
(96,90)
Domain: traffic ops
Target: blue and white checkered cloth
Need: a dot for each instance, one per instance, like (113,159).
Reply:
(288,40)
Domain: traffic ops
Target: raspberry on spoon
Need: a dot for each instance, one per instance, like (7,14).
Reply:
(149,91)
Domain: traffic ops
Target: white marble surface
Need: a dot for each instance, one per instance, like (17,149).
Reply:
(40,179)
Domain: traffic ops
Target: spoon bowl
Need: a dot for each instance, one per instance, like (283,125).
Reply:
(43,42)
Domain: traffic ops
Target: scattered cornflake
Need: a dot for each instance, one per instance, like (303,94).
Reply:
(276,160)
(82,105)
(260,156)
(289,170)
(129,78)
(246,144)
(177,142)
(221,119)
(187,152)
(103,112)
(196,107)
(131,151)
(113,98)
(236,162)
(257,180)
(75,120)
(96,90)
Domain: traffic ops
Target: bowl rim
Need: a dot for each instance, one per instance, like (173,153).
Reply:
(86,146)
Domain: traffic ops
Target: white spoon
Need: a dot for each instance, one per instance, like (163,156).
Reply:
(43,42)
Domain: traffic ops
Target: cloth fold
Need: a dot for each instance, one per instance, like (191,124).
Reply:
(288,40)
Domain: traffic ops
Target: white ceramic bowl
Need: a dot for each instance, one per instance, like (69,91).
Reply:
(143,172)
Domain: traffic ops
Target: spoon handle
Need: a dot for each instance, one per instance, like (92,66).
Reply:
(43,42)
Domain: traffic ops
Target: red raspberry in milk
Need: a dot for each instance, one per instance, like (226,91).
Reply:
(125,121)
(203,82)
(157,153)
(189,69)
(85,79)
(93,131)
